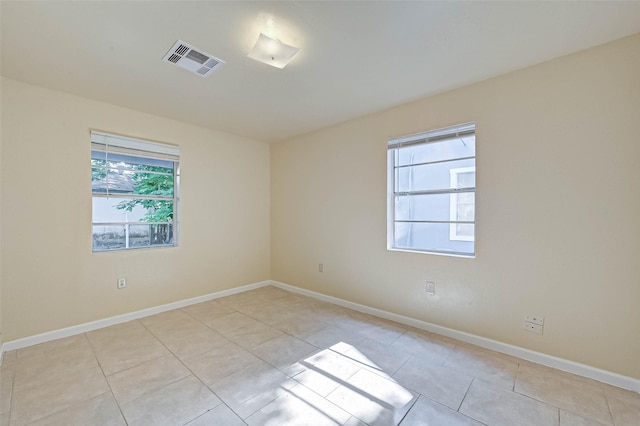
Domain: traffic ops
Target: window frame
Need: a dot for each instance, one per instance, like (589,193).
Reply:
(393,192)
(453,205)
(125,146)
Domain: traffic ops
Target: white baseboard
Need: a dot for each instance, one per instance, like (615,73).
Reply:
(94,325)
(583,370)
(533,356)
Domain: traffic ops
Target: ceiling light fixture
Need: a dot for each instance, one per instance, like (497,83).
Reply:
(272,52)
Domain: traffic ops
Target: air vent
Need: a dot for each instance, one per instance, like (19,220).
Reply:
(192,59)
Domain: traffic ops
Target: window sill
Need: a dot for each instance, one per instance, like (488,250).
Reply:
(437,253)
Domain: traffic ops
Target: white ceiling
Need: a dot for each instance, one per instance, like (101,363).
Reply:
(356,57)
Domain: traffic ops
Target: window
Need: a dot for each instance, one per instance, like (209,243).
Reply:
(134,186)
(431,185)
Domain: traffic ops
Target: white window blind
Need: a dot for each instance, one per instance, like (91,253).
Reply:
(125,145)
(431,191)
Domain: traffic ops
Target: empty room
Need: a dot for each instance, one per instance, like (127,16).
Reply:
(320,213)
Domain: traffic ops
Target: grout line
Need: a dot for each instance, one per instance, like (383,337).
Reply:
(189,369)
(404,363)
(93,350)
(465,394)
(606,398)
(415,401)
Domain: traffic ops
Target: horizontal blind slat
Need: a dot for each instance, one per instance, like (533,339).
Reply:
(438,135)
(130,146)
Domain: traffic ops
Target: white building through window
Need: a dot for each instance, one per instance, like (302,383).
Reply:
(431,191)
(462,205)
(134,187)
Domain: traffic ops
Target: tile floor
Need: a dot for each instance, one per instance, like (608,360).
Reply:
(271,357)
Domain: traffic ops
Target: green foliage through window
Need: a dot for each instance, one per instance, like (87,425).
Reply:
(134,186)
(151,184)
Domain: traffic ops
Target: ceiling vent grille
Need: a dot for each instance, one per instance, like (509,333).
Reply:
(192,59)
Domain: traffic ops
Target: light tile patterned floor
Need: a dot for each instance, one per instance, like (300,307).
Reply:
(270,357)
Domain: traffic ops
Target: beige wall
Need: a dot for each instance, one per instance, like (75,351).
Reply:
(50,277)
(558,231)
(1,338)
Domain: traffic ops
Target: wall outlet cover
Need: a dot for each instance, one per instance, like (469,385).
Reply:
(430,288)
(536,319)
(533,328)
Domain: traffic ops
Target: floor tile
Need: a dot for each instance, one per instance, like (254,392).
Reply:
(382,388)
(219,416)
(314,309)
(252,335)
(563,391)
(236,301)
(268,314)
(354,421)
(283,351)
(251,388)
(495,405)
(207,311)
(229,322)
(36,397)
(299,325)
(570,419)
(331,365)
(74,351)
(299,405)
(53,347)
(295,302)
(484,364)
(6,388)
(124,346)
(436,382)
(173,319)
(610,390)
(174,404)
(426,412)
(320,383)
(330,335)
(114,334)
(8,358)
(268,293)
(382,334)
(101,410)
(134,382)
(377,356)
(195,343)
(264,294)
(346,318)
(220,362)
(425,346)
(174,325)
(373,399)
(625,407)
(389,324)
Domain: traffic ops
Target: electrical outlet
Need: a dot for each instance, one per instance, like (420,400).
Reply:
(534,328)
(320,267)
(536,319)
(430,288)
(122,282)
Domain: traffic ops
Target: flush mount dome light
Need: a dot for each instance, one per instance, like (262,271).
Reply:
(272,52)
